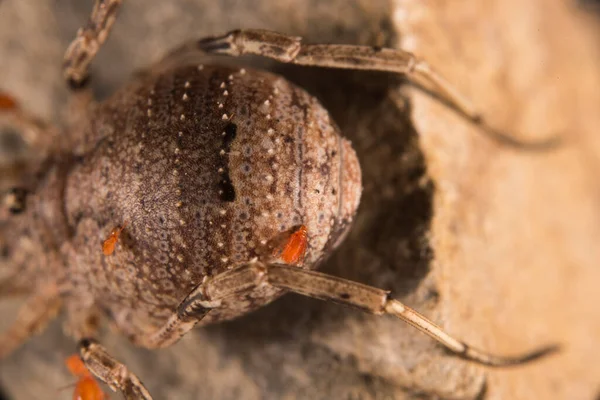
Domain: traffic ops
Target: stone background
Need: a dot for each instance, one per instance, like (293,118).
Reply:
(499,246)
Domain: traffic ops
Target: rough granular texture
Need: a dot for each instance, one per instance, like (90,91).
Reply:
(513,235)
(206,168)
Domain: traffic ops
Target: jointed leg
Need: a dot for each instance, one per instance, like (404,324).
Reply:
(82,324)
(210,293)
(378,302)
(206,296)
(32,318)
(290,49)
(89,40)
(111,371)
(199,303)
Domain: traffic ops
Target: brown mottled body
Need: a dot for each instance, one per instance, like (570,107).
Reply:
(206,185)
(227,186)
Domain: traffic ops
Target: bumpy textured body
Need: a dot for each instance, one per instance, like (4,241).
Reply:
(208,168)
(195,194)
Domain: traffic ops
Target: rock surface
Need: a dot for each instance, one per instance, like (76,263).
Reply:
(497,245)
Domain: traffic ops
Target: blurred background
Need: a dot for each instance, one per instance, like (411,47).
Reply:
(499,246)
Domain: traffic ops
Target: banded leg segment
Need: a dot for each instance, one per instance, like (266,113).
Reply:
(206,296)
(290,49)
(246,278)
(84,47)
(378,302)
(112,372)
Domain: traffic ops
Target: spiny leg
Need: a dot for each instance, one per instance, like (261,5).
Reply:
(206,296)
(290,49)
(180,323)
(112,372)
(210,293)
(83,49)
(193,308)
(32,318)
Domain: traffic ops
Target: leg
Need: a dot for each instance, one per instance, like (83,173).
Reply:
(83,49)
(289,49)
(33,141)
(32,318)
(195,306)
(378,302)
(212,291)
(206,296)
(82,324)
(35,133)
(111,371)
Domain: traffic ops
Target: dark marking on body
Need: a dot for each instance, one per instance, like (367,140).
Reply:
(226,189)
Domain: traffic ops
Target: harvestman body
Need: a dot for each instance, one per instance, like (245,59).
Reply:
(195,194)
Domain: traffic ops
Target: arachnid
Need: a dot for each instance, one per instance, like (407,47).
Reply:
(86,387)
(235,184)
(108,246)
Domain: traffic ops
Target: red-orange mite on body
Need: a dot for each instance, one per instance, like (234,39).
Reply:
(86,388)
(7,102)
(108,247)
(295,247)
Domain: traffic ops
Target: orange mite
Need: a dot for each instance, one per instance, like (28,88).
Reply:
(86,388)
(108,247)
(7,102)
(295,247)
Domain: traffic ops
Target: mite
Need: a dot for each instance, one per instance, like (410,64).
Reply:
(86,387)
(236,185)
(108,246)
(295,247)
(7,102)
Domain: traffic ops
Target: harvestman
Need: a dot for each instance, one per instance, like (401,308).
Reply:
(270,265)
